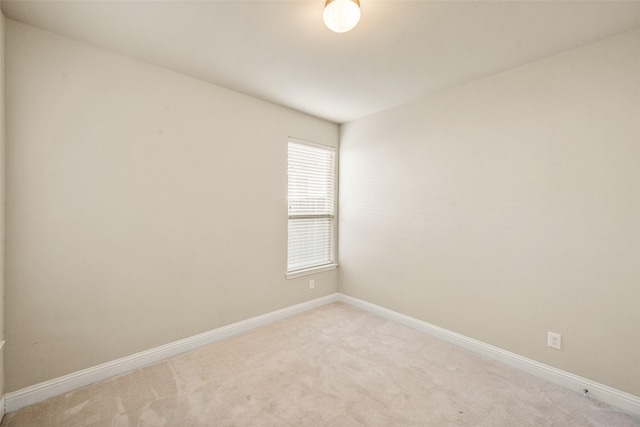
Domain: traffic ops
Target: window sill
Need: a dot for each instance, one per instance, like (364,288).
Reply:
(312,270)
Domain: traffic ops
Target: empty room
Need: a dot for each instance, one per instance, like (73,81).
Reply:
(320,213)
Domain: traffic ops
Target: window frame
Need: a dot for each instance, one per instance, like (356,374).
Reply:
(332,264)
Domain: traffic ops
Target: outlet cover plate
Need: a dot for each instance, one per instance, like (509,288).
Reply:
(554,340)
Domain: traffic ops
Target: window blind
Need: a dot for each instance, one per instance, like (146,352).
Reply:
(311,199)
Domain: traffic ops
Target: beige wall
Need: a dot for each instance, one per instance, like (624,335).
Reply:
(2,171)
(508,207)
(143,206)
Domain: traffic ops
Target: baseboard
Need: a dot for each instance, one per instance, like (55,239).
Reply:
(601,392)
(45,390)
(48,389)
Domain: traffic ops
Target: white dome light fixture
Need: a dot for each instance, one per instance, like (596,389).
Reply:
(341,15)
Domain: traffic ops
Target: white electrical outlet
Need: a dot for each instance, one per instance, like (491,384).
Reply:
(554,340)
(312,284)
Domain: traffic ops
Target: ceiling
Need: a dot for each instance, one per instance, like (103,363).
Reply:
(281,51)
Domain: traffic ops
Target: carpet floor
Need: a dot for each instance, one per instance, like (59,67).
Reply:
(333,366)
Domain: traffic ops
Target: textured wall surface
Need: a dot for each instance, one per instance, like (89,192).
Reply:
(508,207)
(143,206)
(2,204)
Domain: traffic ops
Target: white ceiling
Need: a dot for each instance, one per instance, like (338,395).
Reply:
(281,51)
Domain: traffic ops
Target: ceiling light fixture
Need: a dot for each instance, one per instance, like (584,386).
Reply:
(341,15)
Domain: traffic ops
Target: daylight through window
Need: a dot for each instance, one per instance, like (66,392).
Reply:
(311,198)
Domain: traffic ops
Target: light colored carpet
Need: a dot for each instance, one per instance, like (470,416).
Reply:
(334,366)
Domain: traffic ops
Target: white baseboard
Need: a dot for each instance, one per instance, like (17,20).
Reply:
(48,389)
(601,392)
(45,390)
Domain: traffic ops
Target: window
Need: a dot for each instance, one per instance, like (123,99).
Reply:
(311,199)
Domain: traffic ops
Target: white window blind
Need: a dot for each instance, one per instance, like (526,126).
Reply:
(311,197)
